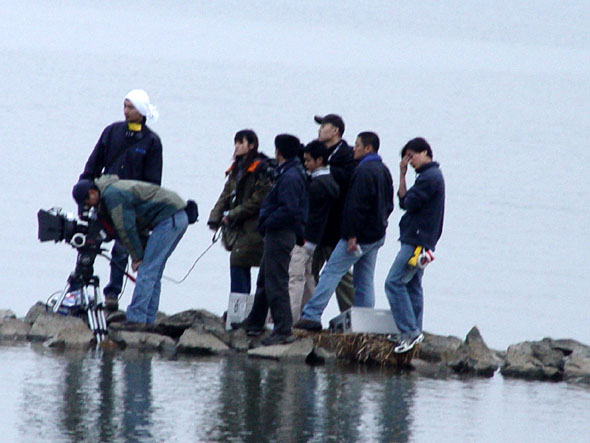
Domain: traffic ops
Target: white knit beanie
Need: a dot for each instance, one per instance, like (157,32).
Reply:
(141,102)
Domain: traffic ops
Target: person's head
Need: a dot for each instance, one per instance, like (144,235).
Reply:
(315,155)
(286,147)
(85,193)
(245,142)
(418,151)
(366,143)
(331,129)
(137,107)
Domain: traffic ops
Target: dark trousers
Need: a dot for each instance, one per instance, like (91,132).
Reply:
(119,258)
(240,279)
(272,286)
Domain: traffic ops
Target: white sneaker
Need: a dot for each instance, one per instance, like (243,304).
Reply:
(407,344)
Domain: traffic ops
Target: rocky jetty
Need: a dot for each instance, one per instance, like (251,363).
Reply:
(199,332)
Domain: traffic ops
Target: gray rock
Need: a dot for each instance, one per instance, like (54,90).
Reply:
(194,341)
(430,369)
(146,341)
(437,348)
(6,313)
(320,356)
(199,319)
(14,329)
(34,312)
(577,366)
(297,351)
(238,340)
(49,325)
(474,357)
(540,360)
(71,338)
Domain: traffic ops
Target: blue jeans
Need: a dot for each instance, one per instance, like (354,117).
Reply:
(119,258)
(338,264)
(403,287)
(162,241)
(240,279)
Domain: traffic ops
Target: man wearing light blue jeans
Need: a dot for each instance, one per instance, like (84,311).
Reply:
(134,208)
(420,229)
(368,204)
(162,242)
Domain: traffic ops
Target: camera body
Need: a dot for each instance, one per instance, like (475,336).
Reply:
(85,234)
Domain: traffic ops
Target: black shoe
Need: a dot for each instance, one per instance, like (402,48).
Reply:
(250,332)
(111,303)
(277,339)
(131,326)
(308,325)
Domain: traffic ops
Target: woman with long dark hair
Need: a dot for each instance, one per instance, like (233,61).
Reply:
(237,208)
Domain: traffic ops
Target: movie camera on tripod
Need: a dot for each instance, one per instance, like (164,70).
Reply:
(86,235)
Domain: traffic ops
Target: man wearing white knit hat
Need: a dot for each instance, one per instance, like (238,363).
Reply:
(132,151)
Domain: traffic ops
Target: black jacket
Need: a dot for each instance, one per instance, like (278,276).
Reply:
(341,162)
(285,206)
(422,224)
(369,201)
(127,154)
(323,194)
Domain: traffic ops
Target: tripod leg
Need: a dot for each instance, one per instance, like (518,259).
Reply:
(61,298)
(90,313)
(101,321)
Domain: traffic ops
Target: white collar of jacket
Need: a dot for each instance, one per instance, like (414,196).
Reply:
(324,170)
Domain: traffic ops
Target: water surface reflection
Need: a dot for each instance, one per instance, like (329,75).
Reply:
(105,396)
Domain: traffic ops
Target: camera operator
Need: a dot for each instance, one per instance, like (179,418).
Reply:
(134,208)
(132,151)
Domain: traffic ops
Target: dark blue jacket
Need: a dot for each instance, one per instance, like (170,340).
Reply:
(286,205)
(127,154)
(422,224)
(369,201)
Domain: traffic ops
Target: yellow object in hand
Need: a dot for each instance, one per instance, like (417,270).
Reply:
(413,261)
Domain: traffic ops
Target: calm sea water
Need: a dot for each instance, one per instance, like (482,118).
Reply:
(127,396)
(500,89)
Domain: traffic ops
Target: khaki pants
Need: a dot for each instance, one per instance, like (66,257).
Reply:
(301,280)
(345,289)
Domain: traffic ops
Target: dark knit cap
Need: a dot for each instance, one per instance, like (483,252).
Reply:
(288,145)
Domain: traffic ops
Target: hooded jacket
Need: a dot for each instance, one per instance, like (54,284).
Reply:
(242,197)
(342,164)
(422,224)
(130,155)
(136,207)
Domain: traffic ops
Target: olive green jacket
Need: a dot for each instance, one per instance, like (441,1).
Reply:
(242,200)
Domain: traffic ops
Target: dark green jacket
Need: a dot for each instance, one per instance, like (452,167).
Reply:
(242,200)
(136,207)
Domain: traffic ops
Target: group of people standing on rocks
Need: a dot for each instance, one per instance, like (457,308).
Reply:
(313,218)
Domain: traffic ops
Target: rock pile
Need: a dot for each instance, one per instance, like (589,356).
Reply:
(199,332)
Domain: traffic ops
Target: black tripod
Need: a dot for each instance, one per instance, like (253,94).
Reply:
(91,300)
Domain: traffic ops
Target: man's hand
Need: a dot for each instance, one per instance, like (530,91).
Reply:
(214,226)
(403,164)
(352,246)
(402,190)
(135,265)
